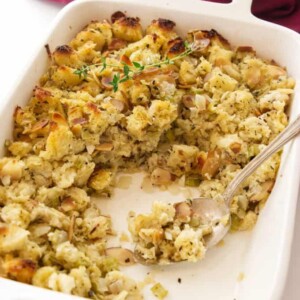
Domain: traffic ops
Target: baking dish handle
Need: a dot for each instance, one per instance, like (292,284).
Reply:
(242,9)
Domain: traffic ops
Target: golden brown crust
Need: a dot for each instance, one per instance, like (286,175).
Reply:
(116,16)
(64,49)
(18,113)
(175,47)
(41,94)
(59,119)
(20,269)
(3,230)
(164,24)
(211,35)
(127,28)
(129,22)
(93,107)
(117,44)
(245,49)
(126,60)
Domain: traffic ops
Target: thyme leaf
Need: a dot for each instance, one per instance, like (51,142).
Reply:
(83,71)
(138,66)
(104,65)
(115,82)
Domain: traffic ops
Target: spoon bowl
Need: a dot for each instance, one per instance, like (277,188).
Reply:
(214,212)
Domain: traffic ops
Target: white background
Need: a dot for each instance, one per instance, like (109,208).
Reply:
(22,26)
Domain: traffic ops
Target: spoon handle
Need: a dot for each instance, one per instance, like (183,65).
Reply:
(285,136)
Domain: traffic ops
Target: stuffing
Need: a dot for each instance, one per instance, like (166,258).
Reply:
(118,283)
(14,213)
(19,269)
(182,158)
(252,70)
(96,227)
(56,237)
(40,169)
(20,192)
(61,282)
(159,237)
(50,215)
(97,119)
(12,238)
(69,256)
(82,281)
(162,113)
(79,197)
(100,180)
(84,169)
(174,48)
(238,103)
(41,276)
(254,129)
(31,251)
(10,169)
(50,196)
(139,94)
(65,55)
(189,111)
(276,121)
(58,144)
(64,76)
(165,213)
(187,73)
(218,81)
(150,42)
(204,67)
(189,245)
(137,122)
(100,34)
(219,56)
(20,149)
(162,27)
(274,100)
(247,222)
(64,176)
(127,28)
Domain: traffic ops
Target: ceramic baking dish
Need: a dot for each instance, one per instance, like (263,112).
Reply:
(261,256)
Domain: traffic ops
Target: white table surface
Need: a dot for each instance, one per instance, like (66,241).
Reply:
(22,25)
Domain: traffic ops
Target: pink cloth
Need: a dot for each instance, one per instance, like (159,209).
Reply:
(62,1)
(283,12)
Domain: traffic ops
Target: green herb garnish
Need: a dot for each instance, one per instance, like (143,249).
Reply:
(83,71)
(129,71)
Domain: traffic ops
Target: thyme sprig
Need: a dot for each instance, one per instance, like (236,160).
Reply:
(128,72)
(83,71)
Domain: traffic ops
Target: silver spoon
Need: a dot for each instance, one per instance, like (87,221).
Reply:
(216,211)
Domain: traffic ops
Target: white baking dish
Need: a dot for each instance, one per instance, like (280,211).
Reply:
(261,255)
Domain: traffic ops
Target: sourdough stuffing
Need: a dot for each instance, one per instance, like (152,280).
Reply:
(199,120)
